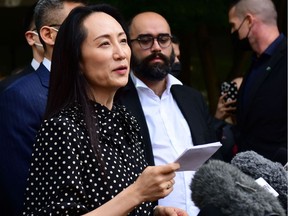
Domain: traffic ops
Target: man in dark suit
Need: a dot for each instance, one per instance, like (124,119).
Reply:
(22,106)
(32,39)
(172,117)
(262,101)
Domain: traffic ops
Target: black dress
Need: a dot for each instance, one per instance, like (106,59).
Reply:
(66,177)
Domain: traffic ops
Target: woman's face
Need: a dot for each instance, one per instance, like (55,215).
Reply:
(105,53)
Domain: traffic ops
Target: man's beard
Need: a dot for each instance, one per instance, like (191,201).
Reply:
(155,71)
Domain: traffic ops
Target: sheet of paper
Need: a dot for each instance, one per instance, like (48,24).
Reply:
(192,158)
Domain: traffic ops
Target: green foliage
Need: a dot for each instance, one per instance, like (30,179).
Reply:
(182,15)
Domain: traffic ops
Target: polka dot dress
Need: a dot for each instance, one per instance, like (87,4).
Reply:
(66,178)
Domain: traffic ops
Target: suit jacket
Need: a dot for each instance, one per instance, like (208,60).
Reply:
(22,105)
(9,80)
(191,104)
(262,125)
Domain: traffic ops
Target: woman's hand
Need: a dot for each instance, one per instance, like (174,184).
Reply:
(224,109)
(169,211)
(155,182)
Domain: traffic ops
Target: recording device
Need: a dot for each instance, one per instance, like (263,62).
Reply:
(223,187)
(230,89)
(257,167)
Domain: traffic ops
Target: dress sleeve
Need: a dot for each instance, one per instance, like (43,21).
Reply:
(55,184)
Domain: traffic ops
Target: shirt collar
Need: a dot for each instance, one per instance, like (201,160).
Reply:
(270,49)
(171,80)
(47,63)
(35,64)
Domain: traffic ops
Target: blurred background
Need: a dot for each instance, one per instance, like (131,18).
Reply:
(207,55)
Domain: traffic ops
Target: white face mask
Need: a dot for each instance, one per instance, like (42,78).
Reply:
(37,44)
(35,33)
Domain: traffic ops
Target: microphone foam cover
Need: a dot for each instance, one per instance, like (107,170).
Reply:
(227,188)
(257,166)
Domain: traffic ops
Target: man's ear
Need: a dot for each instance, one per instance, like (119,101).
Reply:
(29,35)
(48,35)
(250,19)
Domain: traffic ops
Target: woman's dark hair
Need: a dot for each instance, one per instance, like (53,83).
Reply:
(67,82)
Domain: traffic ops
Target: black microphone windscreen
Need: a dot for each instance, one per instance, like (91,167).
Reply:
(225,187)
(257,166)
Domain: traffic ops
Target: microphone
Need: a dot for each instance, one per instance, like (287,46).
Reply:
(226,189)
(257,166)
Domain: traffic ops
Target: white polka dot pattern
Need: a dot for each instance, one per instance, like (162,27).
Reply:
(65,176)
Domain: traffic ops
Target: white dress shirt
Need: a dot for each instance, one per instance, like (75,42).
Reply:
(35,64)
(47,63)
(170,136)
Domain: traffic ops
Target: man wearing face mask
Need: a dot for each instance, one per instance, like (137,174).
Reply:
(22,106)
(176,66)
(262,99)
(32,39)
(172,116)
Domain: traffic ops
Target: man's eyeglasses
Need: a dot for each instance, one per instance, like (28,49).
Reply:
(147,41)
(55,27)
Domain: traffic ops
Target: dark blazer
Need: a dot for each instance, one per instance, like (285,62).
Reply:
(190,102)
(262,126)
(22,105)
(9,80)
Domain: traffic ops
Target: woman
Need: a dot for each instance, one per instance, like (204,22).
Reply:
(88,156)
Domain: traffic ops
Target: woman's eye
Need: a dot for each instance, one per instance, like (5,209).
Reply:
(104,43)
(124,40)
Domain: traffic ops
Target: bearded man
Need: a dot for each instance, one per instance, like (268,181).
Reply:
(172,117)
